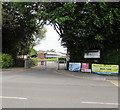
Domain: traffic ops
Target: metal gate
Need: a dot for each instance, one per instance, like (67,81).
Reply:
(60,64)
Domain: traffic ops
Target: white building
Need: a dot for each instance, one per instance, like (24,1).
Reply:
(54,55)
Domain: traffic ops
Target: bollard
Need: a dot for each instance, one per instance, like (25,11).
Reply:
(27,64)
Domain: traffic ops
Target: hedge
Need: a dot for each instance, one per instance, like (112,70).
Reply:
(6,61)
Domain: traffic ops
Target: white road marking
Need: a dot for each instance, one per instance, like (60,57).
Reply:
(20,98)
(100,103)
(114,82)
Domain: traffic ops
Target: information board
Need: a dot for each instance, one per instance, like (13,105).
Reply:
(105,69)
(74,66)
(92,54)
(85,67)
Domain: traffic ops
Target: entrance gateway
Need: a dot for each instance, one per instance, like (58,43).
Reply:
(60,64)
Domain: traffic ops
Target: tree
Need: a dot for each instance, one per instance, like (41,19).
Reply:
(33,52)
(19,36)
(84,26)
(0,16)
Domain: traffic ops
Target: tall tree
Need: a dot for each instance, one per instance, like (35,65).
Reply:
(84,26)
(20,28)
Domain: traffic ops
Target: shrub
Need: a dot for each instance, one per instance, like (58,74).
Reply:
(6,61)
(34,62)
(30,63)
(62,58)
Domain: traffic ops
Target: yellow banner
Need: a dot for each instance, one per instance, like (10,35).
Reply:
(101,68)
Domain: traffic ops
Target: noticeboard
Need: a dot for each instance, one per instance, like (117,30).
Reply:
(85,67)
(92,54)
(105,69)
(74,66)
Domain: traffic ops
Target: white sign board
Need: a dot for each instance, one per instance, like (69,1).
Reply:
(92,54)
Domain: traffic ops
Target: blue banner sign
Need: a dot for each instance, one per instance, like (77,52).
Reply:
(74,66)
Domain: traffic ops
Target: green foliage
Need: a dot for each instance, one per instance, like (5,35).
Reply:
(34,62)
(62,58)
(6,61)
(86,26)
(82,26)
(51,59)
(111,57)
(20,29)
(33,52)
(0,15)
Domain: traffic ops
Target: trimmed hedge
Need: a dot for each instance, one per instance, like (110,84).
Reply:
(6,61)
(34,62)
(62,58)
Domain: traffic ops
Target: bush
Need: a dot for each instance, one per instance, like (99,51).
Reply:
(6,61)
(30,63)
(34,62)
(62,58)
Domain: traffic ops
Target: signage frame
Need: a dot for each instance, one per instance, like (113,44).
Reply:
(105,69)
(92,54)
(74,66)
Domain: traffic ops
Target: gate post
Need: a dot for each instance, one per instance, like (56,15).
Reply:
(25,64)
(45,64)
(65,64)
(58,64)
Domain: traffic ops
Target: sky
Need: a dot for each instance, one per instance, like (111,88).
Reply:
(50,41)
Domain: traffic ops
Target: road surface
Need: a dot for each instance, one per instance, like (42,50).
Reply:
(49,88)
